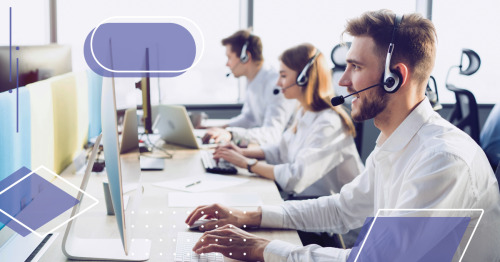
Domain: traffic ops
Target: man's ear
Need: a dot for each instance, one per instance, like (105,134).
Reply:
(249,55)
(403,71)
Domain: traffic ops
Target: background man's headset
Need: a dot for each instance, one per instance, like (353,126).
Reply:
(243,54)
(391,79)
(303,77)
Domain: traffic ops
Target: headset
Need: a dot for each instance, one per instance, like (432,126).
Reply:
(392,79)
(302,78)
(243,54)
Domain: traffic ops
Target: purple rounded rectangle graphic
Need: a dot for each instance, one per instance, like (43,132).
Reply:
(121,47)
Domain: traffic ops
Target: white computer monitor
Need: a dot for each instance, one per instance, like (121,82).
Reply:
(123,173)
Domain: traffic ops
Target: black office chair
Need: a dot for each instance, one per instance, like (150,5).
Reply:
(338,56)
(497,174)
(433,95)
(465,112)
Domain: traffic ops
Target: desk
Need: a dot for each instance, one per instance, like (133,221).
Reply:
(155,220)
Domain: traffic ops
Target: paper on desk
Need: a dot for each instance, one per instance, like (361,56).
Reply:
(181,199)
(207,182)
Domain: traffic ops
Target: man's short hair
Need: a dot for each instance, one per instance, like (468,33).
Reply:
(415,43)
(238,39)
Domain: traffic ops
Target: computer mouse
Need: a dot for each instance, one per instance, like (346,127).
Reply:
(199,223)
(144,149)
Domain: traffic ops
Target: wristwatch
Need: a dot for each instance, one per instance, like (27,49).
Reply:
(250,163)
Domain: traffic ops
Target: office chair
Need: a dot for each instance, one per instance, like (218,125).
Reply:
(465,112)
(497,172)
(433,94)
(338,56)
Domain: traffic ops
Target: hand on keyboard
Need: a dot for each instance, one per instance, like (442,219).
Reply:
(232,146)
(220,167)
(184,249)
(218,134)
(224,216)
(230,155)
(232,242)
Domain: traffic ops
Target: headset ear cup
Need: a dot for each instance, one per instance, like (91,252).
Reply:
(244,58)
(398,81)
(243,54)
(302,80)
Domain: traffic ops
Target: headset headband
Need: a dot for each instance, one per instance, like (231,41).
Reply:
(303,78)
(392,80)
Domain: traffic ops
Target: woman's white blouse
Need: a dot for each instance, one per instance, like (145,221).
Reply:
(318,159)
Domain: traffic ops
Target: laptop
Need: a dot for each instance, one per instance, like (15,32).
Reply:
(130,142)
(14,247)
(175,127)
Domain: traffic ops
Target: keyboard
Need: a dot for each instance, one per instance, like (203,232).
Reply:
(211,166)
(184,252)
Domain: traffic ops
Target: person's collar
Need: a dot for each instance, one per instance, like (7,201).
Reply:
(259,74)
(307,117)
(408,128)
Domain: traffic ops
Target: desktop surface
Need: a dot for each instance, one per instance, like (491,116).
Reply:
(155,220)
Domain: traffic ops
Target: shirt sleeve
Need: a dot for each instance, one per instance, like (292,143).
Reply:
(278,250)
(337,213)
(243,119)
(276,117)
(272,152)
(447,179)
(320,154)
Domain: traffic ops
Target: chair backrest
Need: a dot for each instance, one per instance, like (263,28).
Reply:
(497,174)
(465,112)
(338,56)
(433,94)
(474,62)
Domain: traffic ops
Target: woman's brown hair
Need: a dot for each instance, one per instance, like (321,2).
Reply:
(319,90)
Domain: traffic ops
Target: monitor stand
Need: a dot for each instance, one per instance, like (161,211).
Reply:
(152,164)
(78,248)
(104,249)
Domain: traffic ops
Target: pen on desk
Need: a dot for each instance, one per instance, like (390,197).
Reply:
(195,183)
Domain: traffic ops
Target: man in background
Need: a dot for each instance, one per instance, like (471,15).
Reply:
(265,112)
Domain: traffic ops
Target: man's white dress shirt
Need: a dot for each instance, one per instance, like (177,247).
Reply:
(426,163)
(264,115)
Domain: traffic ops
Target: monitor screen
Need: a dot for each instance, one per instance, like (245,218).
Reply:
(123,170)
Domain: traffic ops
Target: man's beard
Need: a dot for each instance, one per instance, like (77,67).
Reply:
(372,105)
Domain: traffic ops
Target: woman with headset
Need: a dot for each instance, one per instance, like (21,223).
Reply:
(316,156)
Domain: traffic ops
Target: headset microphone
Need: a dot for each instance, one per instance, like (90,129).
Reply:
(231,73)
(277,90)
(338,100)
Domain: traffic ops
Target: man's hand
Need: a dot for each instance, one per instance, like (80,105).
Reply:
(217,134)
(232,242)
(224,216)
